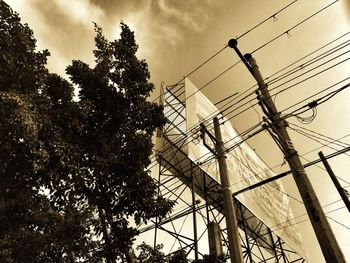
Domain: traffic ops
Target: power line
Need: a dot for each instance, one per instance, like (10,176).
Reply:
(316,67)
(320,147)
(257,175)
(280,164)
(288,66)
(338,223)
(273,17)
(308,78)
(287,32)
(254,127)
(226,70)
(190,130)
(282,76)
(309,54)
(315,94)
(327,138)
(265,45)
(279,228)
(325,145)
(287,88)
(238,136)
(317,102)
(259,124)
(323,169)
(312,61)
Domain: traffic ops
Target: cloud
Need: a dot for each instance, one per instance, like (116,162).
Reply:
(65,26)
(162,21)
(80,11)
(193,16)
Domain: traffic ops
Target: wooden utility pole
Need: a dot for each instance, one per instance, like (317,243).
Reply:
(340,189)
(229,211)
(328,243)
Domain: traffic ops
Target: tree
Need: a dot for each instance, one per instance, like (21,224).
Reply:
(73,173)
(117,123)
(32,228)
(148,254)
(211,259)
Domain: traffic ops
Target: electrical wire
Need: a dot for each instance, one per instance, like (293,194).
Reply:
(312,69)
(285,89)
(254,127)
(293,27)
(222,111)
(281,164)
(321,48)
(325,145)
(277,227)
(338,222)
(239,37)
(317,93)
(308,78)
(275,38)
(310,136)
(290,65)
(308,55)
(323,169)
(316,102)
(270,42)
(320,147)
(327,138)
(310,62)
(273,17)
(287,32)
(256,175)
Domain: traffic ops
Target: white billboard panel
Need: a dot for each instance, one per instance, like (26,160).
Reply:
(268,202)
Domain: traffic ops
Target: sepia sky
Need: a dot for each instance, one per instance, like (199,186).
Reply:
(176,36)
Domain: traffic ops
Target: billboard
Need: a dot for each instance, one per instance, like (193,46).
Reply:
(268,202)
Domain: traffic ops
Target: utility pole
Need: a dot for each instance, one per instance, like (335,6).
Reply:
(234,243)
(340,189)
(329,246)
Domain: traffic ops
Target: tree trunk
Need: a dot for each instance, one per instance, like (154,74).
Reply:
(108,245)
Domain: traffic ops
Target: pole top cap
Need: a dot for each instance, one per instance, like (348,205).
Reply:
(232,43)
(248,56)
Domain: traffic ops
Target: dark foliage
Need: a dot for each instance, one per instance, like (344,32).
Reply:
(72,172)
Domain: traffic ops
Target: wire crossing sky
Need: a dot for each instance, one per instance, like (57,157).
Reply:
(301,47)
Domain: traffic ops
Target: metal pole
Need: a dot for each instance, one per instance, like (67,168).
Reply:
(282,250)
(158,190)
(340,189)
(195,238)
(206,197)
(249,251)
(328,243)
(230,215)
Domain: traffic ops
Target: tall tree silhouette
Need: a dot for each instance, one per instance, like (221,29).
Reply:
(73,172)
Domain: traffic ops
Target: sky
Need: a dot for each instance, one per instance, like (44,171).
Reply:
(176,36)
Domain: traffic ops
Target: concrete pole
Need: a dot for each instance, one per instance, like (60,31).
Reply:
(229,211)
(328,243)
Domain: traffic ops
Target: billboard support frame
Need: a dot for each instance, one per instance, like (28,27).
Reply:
(175,168)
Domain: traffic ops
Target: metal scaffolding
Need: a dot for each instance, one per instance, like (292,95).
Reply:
(199,203)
